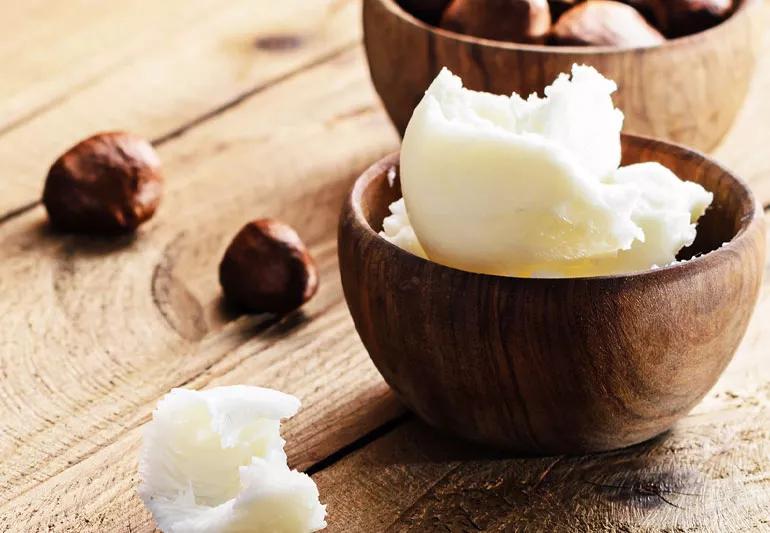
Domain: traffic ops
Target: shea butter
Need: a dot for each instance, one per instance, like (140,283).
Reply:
(213,462)
(397,229)
(503,185)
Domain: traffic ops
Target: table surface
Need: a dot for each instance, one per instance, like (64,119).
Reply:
(262,108)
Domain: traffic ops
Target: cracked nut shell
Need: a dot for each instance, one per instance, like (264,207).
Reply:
(520,21)
(604,23)
(106,184)
(267,268)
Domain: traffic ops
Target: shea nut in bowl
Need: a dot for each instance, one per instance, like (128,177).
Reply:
(687,89)
(565,365)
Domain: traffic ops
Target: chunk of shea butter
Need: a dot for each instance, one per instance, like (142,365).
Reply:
(397,229)
(213,462)
(503,185)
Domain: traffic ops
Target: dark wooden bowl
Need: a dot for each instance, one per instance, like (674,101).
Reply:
(687,90)
(556,365)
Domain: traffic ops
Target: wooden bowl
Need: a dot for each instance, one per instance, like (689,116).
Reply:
(687,90)
(555,365)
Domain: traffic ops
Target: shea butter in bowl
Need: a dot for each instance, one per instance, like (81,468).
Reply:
(549,364)
(687,90)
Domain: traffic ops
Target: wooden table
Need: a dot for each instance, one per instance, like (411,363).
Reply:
(262,108)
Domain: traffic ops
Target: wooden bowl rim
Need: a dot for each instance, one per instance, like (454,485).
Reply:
(690,266)
(393,7)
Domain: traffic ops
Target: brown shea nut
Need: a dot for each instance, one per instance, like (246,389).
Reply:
(267,269)
(677,18)
(519,21)
(107,184)
(604,23)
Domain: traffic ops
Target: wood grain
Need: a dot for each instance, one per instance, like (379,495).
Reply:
(706,475)
(675,91)
(569,365)
(98,330)
(710,473)
(156,71)
(91,39)
(312,354)
(93,332)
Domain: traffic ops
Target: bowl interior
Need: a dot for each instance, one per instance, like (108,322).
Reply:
(728,216)
(431,13)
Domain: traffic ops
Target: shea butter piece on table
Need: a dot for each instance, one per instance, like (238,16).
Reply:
(502,185)
(213,462)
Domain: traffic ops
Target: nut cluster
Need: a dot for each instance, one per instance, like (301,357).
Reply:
(574,22)
(504,20)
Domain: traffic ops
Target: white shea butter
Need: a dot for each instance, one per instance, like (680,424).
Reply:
(213,462)
(503,185)
(398,230)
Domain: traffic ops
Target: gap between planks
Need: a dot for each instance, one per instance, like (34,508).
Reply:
(208,115)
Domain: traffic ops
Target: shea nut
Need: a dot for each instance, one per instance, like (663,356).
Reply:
(109,183)
(267,268)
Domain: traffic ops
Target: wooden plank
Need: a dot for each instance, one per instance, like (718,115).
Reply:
(146,68)
(314,355)
(50,48)
(700,478)
(710,473)
(93,332)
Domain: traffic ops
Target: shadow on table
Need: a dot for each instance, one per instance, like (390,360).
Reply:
(642,477)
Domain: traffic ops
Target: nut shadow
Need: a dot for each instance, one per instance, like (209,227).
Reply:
(267,325)
(86,245)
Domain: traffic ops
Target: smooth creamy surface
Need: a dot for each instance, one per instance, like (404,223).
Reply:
(213,462)
(508,186)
